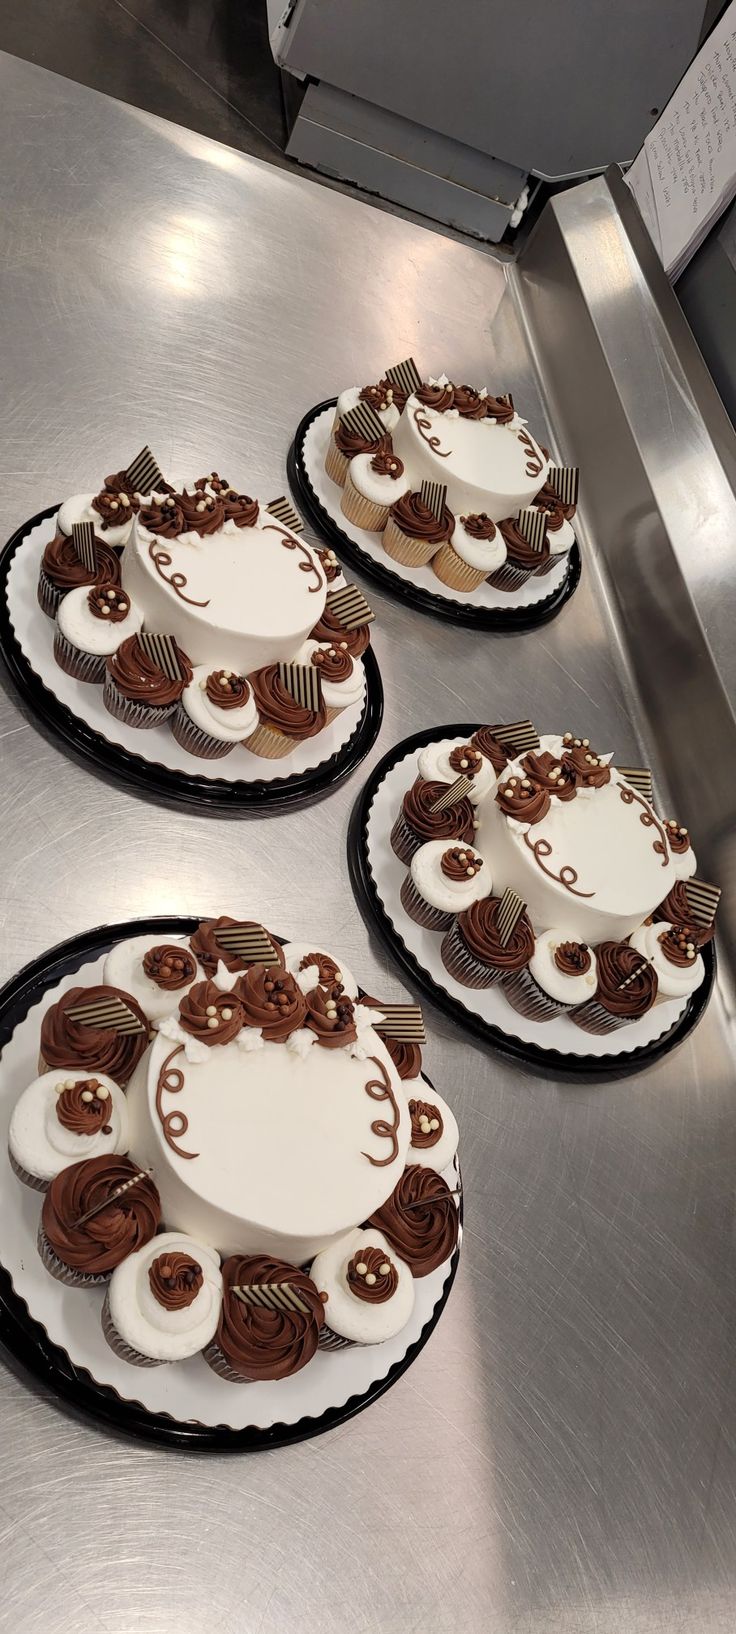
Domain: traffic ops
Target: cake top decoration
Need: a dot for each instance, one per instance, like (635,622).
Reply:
(107,1015)
(349,606)
(162,650)
(283,511)
(433,495)
(405,375)
(144,475)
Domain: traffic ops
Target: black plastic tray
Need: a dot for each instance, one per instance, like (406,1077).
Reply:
(27,1341)
(549,1062)
(216,795)
(502,620)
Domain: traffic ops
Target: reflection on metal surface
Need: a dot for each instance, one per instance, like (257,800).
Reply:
(560,1457)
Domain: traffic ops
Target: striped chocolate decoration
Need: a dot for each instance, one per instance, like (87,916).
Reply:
(144,475)
(83,539)
(702,900)
(270,1296)
(505,397)
(532,525)
(631,976)
(405,375)
(350,607)
(565,479)
(518,735)
(283,511)
(251,943)
(161,649)
(433,495)
(640,778)
(404,1021)
(454,791)
(112,1197)
(303,683)
(107,1016)
(509,914)
(363,421)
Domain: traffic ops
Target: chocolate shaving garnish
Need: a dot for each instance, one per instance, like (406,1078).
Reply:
(284,512)
(107,1016)
(350,607)
(144,474)
(363,421)
(111,1198)
(519,735)
(273,1296)
(702,900)
(161,649)
(83,539)
(454,791)
(509,914)
(303,683)
(250,943)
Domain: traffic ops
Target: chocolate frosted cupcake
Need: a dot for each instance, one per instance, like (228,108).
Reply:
(344,446)
(475,549)
(219,961)
(94,1029)
(406,1057)
(90,625)
(137,690)
(521,561)
(163,1303)
(94,1214)
(331,632)
(451,758)
(417,822)
(367,1291)
(627,989)
(282,723)
(442,880)
(676,910)
(472,950)
(216,711)
(419,1220)
(62,571)
(672,951)
(560,975)
(269,1323)
(412,534)
(155,972)
(58,1120)
(374,482)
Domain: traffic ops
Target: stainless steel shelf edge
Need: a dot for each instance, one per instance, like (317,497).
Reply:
(634,405)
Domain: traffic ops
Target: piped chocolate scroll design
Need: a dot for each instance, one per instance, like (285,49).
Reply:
(567,877)
(647,820)
(161,559)
(308,565)
(380,1089)
(173,1124)
(423,425)
(534,462)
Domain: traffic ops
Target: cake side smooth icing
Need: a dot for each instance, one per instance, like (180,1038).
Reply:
(271,1116)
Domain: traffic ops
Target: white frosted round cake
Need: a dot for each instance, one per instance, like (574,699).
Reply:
(271,1118)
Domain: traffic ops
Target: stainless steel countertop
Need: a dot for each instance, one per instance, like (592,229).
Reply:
(560,1459)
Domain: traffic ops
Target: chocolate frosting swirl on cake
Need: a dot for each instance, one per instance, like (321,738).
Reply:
(207,949)
(277,708)
(478,525)
(678,838)
(617,963)
(522,799)
(679,945)
(387,464)
(419,1220)
(469,403)
(677,910)
(210,1015)
(226,689)
(272,1000)
(110,606)
(585,766)
(331,1015)
(499,411)
(572,958)
(329,972)
(518,549)
(260,1343)
(169,965)
(118,484)
(458,864)
(547,772)
(81,1109)
(62,566)
(440,398)
(240,508)
(329,564)
(489,746)
(333,663)
(112,509)
(219,485)
(351,443)
(67,1043)
(399,396)
(140,678)
(118,1227)
(417,520)
(372,1263)
(175,1280)
(423,1139)
(552,502)
(406,1057)
(455,822)
(379,397)
(478,925)
(554,510)
(163,517)
(330,629)
(203,513)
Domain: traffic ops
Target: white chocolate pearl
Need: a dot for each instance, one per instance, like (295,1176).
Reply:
(87,1095)
(361,1268)
(211,1010)
(212,1021)
(102,1092)
(201,506)
(105,612)
(384,1269)
(370,1278)
(434,1123)
(227,1015)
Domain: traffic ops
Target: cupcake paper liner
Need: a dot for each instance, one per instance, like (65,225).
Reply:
(422,911)
(331,715)
(460,962)
(268,744)
(336,464)
(126,1352)
(49,597)
(134,714)
(410,552)
(215,1359)
(32,1180)
(84,666)
(526,996)
(365,513)
(508,577)
(195,740)
(333,1341)
(453,571)
(593,1018)
(404,842)
(65,1273)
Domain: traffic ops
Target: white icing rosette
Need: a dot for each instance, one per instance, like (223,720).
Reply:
(336,694)
(78,508)
(227,725)
(350,398)
(565,988)
(674,981)
(124,969)
(484,554)
(434,766)
(379,487)
(561,539)
(86,631)
(363,1321)
(296,952)
(449,895)
(432,1121)
(41,1145)
(146,1326)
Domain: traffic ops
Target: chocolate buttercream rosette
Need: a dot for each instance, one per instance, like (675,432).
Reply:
(94,1214)
(94,1029)
(270,1320)
(420,1220)
(426,815)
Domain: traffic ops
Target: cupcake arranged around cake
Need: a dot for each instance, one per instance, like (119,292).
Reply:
(269,1322)
(216,711)
(443,880)
(63,569)
(96,1029)
(413,533)
(141,687)
(373,484)
(91,623)
(163,1302)
(489,941)
(366,1290)
(475,550)
(95,1213)
(342,677)
(283,721)
(560,975)
(63,1118)
(428,813)
(154,971)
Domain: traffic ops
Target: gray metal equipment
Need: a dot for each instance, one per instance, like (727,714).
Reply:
(451,109)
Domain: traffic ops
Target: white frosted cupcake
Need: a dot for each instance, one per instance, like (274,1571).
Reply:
(155,970)
(476,547)
(91,623)
(343,677)
(680,849)
(379,397)
(372,485)
(314,967)
(215,712)
(674,956)
(444,877)
(452,758)
(370,1291)
(61,1118)
(163,1303)
(561,974)
(103,515)
(434,1131)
